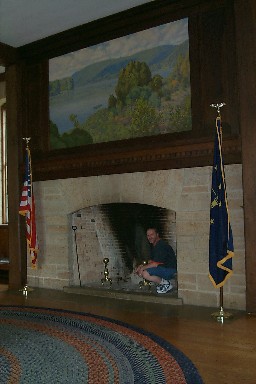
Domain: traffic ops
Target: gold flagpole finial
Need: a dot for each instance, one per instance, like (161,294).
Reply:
(218,106)
(27,140)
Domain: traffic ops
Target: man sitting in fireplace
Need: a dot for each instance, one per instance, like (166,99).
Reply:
(162,265)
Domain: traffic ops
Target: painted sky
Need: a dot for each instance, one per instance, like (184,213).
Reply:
(172,33)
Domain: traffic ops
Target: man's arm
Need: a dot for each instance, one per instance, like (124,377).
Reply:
(142,267)
(152,264)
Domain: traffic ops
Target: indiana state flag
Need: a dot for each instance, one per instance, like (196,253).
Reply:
(221,249)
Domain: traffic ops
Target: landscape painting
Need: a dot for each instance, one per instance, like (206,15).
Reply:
(134,86)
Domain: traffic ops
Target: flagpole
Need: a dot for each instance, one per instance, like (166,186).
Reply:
(26,289)
(220,315)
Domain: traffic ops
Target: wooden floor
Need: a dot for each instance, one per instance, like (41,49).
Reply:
(223,353)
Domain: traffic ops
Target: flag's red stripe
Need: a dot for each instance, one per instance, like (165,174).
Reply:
(27,209)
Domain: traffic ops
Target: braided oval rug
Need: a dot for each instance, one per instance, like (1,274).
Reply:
(39,345)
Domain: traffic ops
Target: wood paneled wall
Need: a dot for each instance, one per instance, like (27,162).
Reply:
(16,126)
(4,242)
(245,18)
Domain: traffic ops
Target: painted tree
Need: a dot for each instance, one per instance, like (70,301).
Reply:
(135,74)
(145,119)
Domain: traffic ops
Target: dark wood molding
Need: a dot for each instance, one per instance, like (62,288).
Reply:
(4,246)
(182,154)
(15,122)
(8,55)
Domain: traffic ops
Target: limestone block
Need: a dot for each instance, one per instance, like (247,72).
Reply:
(110,188)
(54,283)
(131,188)
(204,283)
(235,301)
(199,298)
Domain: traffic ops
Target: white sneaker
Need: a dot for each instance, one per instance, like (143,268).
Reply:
(164,288)
(160,285)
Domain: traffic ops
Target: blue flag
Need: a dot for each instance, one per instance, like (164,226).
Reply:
(221,249)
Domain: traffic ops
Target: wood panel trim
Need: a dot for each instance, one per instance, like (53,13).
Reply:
(245,14)
(4,266)
(179,155)
(14,116)
(8,55)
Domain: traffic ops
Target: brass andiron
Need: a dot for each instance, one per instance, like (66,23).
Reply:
(106,278)
(144,282)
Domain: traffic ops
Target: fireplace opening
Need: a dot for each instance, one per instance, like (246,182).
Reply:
(115,233)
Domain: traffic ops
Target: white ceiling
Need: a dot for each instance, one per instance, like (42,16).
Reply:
(25,21)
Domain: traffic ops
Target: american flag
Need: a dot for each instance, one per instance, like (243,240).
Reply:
(27,209)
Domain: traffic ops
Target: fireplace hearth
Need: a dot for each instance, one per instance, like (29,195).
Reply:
(127,291)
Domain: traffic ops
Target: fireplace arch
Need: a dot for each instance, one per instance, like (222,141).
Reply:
(116,231)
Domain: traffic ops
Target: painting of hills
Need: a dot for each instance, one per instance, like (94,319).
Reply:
(134,86)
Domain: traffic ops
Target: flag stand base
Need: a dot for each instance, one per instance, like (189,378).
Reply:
(26,289)
(221,315)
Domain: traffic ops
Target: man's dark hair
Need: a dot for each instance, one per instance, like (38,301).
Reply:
(154,228)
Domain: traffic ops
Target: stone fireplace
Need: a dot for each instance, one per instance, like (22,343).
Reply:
(183,195)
